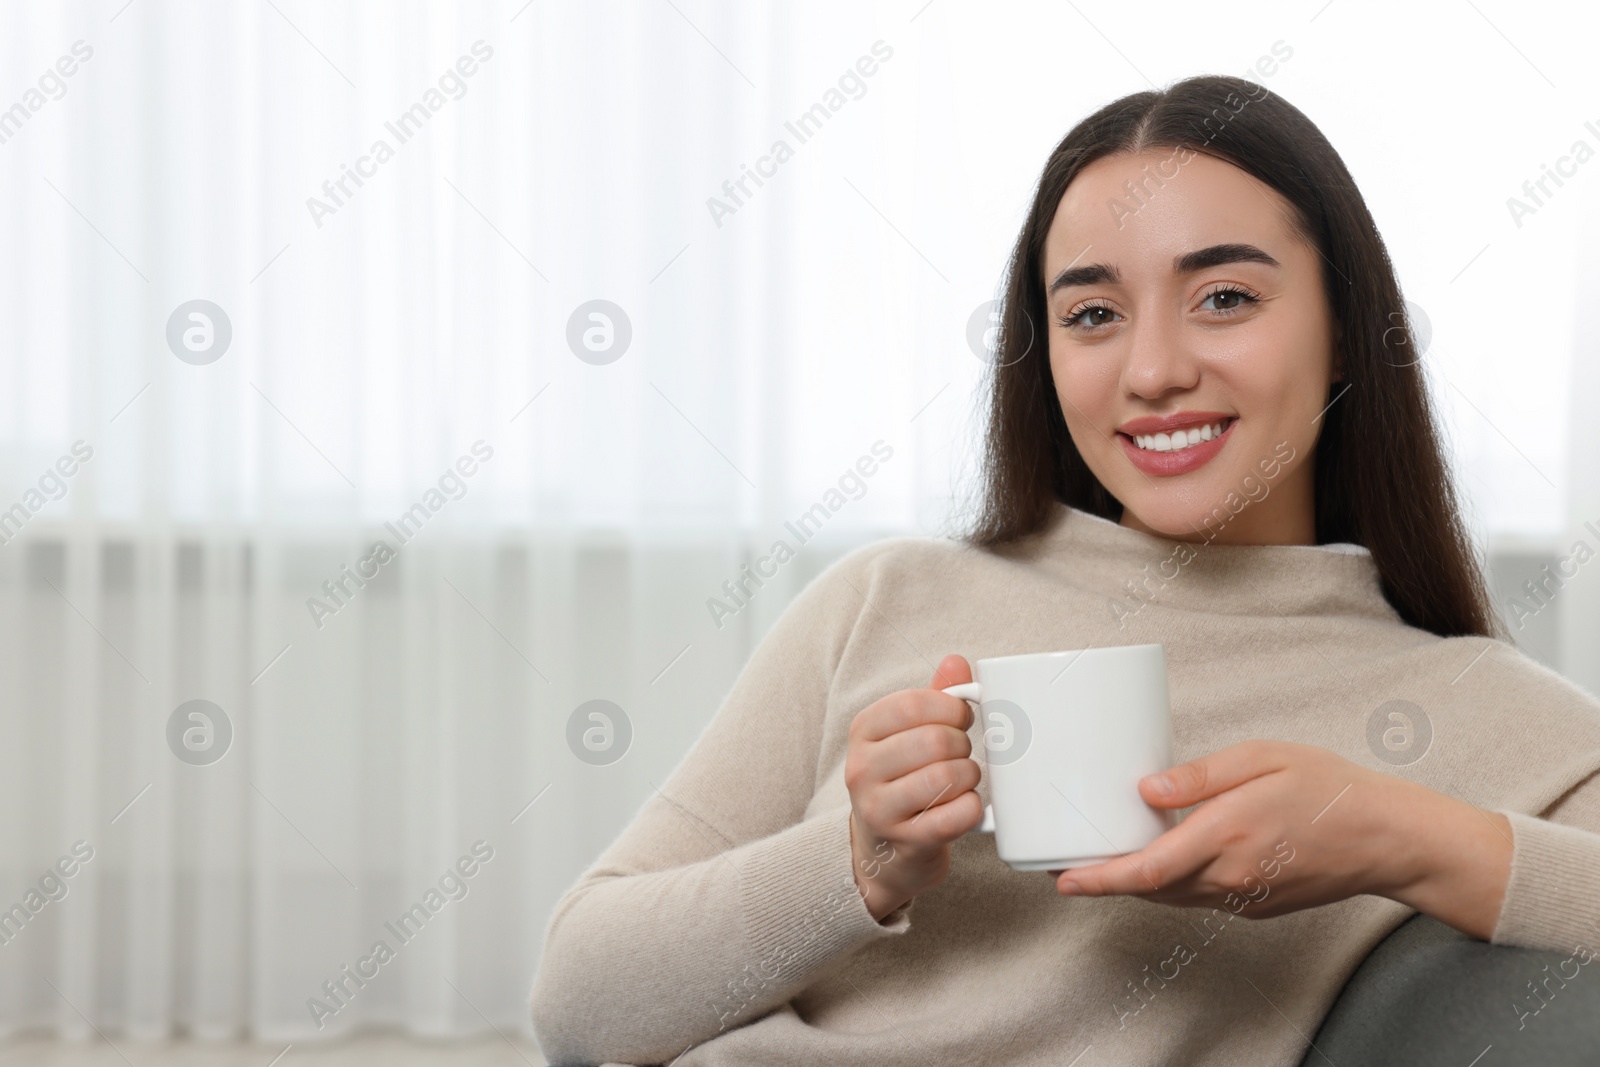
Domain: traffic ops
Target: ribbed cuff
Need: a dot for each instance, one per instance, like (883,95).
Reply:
(1552,899)
(802,909)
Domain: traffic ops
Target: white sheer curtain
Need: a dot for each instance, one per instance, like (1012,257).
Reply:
(816,320)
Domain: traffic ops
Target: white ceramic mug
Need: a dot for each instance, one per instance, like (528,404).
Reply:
(1066,738)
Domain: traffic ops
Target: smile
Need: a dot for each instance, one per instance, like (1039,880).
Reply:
(1177,451)
(1180,439)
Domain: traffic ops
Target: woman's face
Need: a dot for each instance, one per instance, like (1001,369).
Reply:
(1191,309)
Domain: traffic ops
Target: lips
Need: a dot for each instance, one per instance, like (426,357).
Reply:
(1183,420)
(1163,460)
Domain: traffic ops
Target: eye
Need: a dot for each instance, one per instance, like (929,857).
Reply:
(1232,298)
(1091,309)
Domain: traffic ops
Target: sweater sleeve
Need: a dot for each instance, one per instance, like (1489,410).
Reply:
(722,898)
(1552,899)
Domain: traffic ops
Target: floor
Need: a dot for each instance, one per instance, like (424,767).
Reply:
(371,1051)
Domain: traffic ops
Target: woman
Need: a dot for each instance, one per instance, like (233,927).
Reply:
(1209,431)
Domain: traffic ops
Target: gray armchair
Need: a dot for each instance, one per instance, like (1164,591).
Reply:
(1430,994)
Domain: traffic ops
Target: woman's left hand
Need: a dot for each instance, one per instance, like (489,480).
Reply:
(1285,826)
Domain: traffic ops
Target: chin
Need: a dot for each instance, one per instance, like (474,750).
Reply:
(1173,511)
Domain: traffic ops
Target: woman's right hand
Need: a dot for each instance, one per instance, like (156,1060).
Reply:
(912,785)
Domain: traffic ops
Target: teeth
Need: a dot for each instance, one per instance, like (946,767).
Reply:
(1179,439)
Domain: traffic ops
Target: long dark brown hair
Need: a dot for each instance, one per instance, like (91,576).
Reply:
(1380,478)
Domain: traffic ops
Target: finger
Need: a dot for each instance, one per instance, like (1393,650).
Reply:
(938,815)
(952,670)
(911,750)
(909,709)
(1169,859)
(908,797)
(1224,769)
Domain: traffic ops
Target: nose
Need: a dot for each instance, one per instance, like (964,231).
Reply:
(1157,360)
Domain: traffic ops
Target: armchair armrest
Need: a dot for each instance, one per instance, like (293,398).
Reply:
(1430,994)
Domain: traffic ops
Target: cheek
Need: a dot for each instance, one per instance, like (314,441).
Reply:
(1281,378)
(1281,425)
(1086,387)
(1303,398)
(1297,357)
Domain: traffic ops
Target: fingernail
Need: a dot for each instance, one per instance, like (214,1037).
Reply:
(1069,888)
(1161,784)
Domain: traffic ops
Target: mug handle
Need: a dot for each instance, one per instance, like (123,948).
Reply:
(969,691)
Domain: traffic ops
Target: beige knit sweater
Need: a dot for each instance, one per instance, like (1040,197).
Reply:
(724,928)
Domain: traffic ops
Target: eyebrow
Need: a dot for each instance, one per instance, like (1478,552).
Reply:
(1187,263)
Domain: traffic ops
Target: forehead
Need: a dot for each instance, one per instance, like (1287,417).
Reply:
(1197,204)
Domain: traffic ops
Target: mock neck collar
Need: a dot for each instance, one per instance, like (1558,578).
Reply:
(1133,569)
